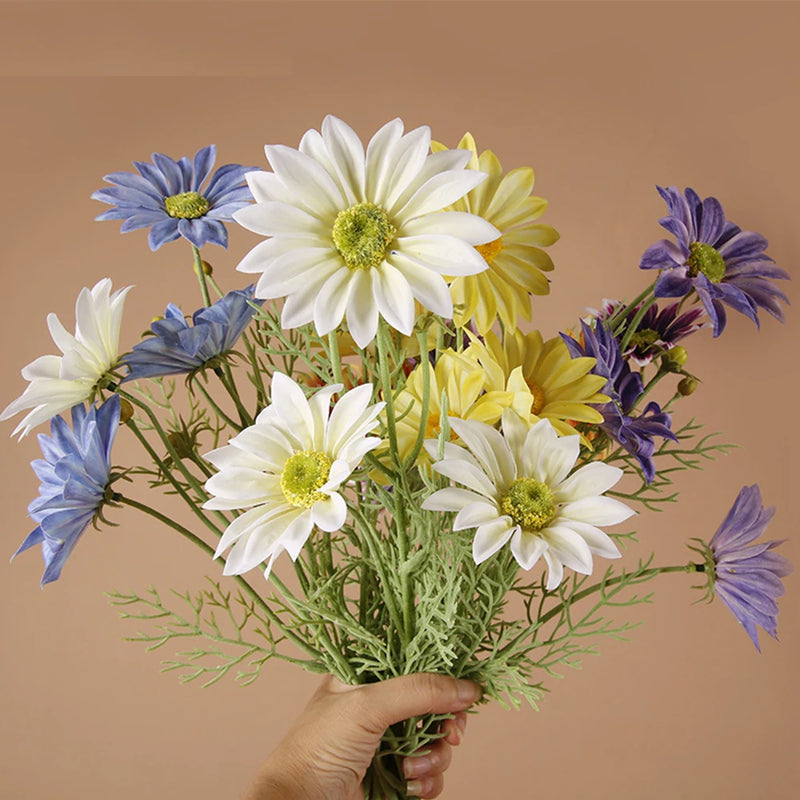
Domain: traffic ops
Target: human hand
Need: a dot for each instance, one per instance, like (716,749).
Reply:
(328,749)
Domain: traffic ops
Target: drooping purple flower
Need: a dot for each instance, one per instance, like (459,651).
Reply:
(624,387)
(747,576)
(658,330)
(178,348)
(169,198)
(75,472)
(720,261)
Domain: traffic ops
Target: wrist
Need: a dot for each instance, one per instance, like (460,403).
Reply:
(278,779)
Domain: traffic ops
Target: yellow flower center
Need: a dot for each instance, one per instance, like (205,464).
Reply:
(302,477)
(362,233)
(187,205)
(539,400)
(704,258)
(529,503)
(490,250)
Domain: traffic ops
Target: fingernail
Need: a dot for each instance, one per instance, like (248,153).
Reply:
(414,767)
(468,692)
(413,788)
(461,722)
(456,733)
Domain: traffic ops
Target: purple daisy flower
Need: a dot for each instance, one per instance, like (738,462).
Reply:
(75,473)
(657,331)
(624,387)
(747,576)
(720,261)
(169,198)
(178,348)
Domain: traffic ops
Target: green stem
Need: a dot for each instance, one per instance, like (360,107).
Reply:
(687,568)
(226,378)
(201,276)
(623,309)
(401,523)
(635,323)
(215,406)
(333,355)
(425,364)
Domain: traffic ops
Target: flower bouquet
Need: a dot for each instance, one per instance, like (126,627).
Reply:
(442,482)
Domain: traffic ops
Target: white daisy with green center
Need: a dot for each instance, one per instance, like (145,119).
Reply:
(360,234)
(57,383)
(519,490)
(288,469)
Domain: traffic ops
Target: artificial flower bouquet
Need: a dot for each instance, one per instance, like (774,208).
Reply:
(448,488)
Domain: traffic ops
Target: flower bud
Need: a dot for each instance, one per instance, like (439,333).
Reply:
(125,411)
(686,386)
(675,358)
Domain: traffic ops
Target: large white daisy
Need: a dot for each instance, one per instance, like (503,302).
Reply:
(288,469)
(519,488)
(361,234)
(58,383)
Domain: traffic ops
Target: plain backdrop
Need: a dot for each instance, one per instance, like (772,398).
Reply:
(604,100)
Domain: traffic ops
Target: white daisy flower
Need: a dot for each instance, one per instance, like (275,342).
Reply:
(58,383)
(288,470)
(519,489)
(361,234)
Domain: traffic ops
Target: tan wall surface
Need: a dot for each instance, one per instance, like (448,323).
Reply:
(604,100)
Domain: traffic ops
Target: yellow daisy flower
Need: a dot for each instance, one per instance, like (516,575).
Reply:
(561,386)
(516,260)
(476,388)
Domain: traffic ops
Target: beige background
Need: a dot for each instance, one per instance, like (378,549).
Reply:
(604,100)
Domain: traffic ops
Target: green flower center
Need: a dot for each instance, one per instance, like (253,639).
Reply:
(529,503)
(187,205)
(704,258)
(361,235)
(303,475)
(644,337)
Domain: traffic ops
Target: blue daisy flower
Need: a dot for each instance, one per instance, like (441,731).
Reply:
(75,473)
(177,348)
(720,261)
(624,387)
(744,575)
(169,198)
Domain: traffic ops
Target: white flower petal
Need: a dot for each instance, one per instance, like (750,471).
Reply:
(427,286)
(527,548)
(588,481)
(394,298)
(347,154)
(490,448)
(331,301)
(329,514)
(515,430)
(555,571)
(298,307)
(469,227)
(443,254)
(267,187)
(291,271)
(470,476)
(320,405)
(451,499)
(490,537)
(474,514)
(434,164)
(406,158)
(568,547)
(247,486)
(306,180)
(362,312)
(439,191)
(348,414)
(280,219)
(291,407)
(599,542)
(597,511)
(379,166)
(296,535)
(340,471)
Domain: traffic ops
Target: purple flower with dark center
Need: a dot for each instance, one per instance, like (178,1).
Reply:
(658,330)
(169,198)
(624,387)
(720,261)
(177,348)
(747,576)
(75,475)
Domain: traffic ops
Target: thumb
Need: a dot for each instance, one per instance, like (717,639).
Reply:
(407,696)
